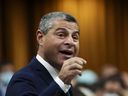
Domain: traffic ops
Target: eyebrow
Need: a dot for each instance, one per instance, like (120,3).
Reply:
(77,31)
(61,29)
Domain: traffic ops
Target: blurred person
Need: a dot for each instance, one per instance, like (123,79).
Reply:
(108,70)
(88,77)
(112,86)
(6,73)
(56,64)
(124,76)
(125,92)
(84,84)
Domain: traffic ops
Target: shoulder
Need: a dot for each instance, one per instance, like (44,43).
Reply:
(26,73)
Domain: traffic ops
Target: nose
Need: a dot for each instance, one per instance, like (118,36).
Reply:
(69,41)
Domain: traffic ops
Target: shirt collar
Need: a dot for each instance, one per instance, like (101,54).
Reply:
(53,72)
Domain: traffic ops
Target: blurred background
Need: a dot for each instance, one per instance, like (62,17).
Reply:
(103,40)
(103,24)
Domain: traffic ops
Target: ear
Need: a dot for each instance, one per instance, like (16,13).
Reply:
(39,37)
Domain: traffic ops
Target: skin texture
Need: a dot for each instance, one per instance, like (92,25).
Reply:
(59,47)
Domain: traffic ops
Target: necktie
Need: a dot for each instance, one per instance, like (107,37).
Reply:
(68,94)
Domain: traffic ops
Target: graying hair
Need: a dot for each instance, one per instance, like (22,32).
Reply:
(46,21)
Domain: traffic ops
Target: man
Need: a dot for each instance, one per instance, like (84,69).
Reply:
(50,73)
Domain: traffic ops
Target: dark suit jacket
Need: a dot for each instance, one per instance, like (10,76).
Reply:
(34,80)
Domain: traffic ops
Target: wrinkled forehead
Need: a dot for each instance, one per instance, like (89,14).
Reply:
(72,26)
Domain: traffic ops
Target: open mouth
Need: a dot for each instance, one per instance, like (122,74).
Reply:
(67,53)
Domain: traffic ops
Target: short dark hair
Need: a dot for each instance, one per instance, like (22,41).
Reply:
(46,21)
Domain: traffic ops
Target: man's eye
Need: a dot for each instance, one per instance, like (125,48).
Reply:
(61,35)
(76,37)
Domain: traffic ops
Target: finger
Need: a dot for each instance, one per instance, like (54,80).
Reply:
(76,72)
(83,60)
(75,66)
(79,60)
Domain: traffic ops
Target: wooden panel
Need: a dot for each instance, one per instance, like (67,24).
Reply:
(103,25)
(92,32)
(17,34)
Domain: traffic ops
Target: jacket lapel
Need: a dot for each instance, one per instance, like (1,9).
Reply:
(41,70)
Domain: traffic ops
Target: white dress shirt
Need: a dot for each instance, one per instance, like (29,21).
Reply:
(54,73)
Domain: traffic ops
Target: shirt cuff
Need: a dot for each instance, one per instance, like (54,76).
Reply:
(63,86)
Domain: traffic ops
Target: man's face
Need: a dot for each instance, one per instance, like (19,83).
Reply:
(60,43)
